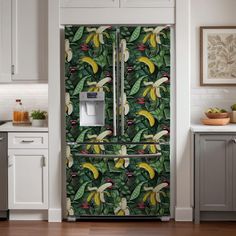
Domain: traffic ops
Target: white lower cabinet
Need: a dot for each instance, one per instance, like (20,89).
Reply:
(28,178)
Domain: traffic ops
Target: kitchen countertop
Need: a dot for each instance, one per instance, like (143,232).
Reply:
(195,128)
(9,127)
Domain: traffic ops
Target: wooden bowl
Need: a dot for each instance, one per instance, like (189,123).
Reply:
(221,121)
(217,115)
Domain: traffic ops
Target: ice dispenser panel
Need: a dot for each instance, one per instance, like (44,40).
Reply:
(92,108)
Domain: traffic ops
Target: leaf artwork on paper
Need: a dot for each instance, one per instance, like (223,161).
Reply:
(221,56)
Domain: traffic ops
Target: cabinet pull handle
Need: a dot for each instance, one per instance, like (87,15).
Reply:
(234,140)
(27,141)
(1,138)
(44,161)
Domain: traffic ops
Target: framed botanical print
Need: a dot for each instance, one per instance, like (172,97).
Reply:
(218,55)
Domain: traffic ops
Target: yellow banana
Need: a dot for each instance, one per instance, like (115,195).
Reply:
(96,40)
(97,199)
(148,115)
(96,148)
(90,196)
(145,197)
(92,63)
(146,91)
(92,168)
(88,39)
(146,37)
(148,62)
(153,148)
(88,146)
(120,213)
(148,168)
(153,199)
(153,40)
(153,94)
(119,163)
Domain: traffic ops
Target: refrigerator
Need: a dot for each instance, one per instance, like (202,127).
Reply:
(117,112)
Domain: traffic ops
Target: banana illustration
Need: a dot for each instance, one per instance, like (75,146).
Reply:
(96,40)
(148,168)
(92,63)
(153,199)
(90,196)
(153,40)
(146,195)
(148,115)
(119,163)
(92,168)
(97,199)
(153,94)
(148,62)
(90,36)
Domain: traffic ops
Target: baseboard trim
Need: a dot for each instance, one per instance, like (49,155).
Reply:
(54,215)
(28,215)
(183,214)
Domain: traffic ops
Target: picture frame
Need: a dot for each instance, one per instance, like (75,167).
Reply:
(218,55)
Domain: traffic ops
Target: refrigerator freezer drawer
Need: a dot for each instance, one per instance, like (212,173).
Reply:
(117,186)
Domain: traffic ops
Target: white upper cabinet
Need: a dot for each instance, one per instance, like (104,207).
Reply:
(29,40)
(146,3)
(5,41)
(23,41)
(90,3)
(117,3)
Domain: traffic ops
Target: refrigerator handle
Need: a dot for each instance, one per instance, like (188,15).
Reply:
(122,89)
(118,156)
(114,91)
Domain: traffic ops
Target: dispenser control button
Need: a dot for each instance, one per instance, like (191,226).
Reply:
(92,95)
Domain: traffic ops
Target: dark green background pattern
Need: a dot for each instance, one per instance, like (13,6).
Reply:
(131,180)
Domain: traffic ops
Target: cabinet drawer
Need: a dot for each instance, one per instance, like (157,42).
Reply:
(28,140)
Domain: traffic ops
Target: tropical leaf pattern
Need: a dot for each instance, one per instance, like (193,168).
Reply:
(119,186)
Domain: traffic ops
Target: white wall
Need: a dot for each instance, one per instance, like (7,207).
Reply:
(34,96)
(208,13)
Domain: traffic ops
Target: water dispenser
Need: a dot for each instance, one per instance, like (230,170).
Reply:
(92,108)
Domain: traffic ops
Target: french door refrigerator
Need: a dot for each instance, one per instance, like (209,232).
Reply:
(117,103)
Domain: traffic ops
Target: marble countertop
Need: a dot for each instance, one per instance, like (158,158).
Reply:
(196,128)
(9,127)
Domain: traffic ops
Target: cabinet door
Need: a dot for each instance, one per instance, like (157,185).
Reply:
(215,173)
(5,41)
(234,172)
(147,3)
(3,171)
(28,179)
(29,40)
(90,3)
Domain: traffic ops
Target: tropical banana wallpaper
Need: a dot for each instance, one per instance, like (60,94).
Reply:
(114,186)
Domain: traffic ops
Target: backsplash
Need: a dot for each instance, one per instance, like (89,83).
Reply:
(33,96)
(203,98)
(203,14)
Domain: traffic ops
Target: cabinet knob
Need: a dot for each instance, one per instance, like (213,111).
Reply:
(1,138)
(234,140)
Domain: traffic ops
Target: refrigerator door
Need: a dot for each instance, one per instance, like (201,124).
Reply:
(145,84)
(103,185)
(90,82)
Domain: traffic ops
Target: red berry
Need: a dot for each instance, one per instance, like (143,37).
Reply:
(73,70)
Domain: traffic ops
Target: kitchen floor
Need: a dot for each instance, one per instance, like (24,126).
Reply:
(35,228)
